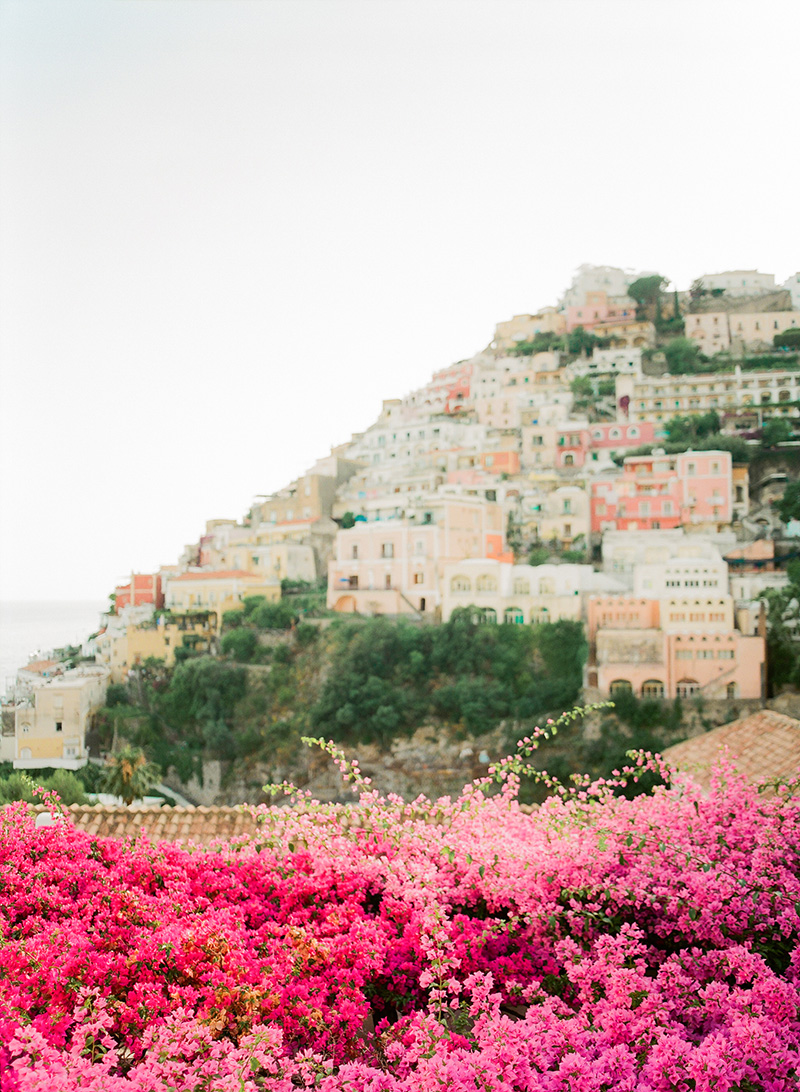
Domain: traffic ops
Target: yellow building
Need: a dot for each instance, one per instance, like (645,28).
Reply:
(50,725)
(122,648)
(525,328)
(633,335)
(218,590)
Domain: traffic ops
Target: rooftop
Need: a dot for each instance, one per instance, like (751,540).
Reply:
(764,746)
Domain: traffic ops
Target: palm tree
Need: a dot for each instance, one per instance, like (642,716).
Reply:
(128,774)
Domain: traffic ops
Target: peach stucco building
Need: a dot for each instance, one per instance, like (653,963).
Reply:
(638,646)
(395,566)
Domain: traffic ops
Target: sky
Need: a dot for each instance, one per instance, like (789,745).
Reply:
(228,230)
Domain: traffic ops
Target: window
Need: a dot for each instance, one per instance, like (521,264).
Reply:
(486,583)
(687,687)
(514,616)
(352,582)
(522,587)
(388,581)
(546,586)
(59,726)
(620,686)
(725,654)
(387,549)
(653,688)
(419,578)
(354,553)
(460,584)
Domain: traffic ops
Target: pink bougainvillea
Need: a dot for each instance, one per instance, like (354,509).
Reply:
(597,943)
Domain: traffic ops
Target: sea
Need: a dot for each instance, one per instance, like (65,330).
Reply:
(28,628)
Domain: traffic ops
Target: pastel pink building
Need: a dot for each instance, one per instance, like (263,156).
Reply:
(630,652)
(579,445)
(598,308)
(659,492)
(396,566)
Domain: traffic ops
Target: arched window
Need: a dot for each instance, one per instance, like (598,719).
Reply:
(653,688)
(522,587)
(687,687)
(486,583)
(547,586)
(620,686)
(540,615)
(569,460)
(514,615)
(461,584)
(489,615)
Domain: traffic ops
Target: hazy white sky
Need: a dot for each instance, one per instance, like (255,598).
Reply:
(229,229)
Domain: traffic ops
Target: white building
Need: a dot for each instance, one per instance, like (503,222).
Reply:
(739,282)
(522,594)
(598,278)
(792,285)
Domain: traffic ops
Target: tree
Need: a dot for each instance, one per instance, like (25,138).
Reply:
(347,521)
(646,291)
(777,430)
(697,289)
(240,645)
(682,355)
(580,340)
(789,339)
(687,429)
(789,505)
(129,774)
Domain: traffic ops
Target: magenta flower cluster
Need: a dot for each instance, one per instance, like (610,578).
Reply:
(598,943)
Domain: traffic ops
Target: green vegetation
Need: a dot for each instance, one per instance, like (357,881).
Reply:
(390,677)
(691,428)
(789,339)
(359,681)
(347,521)
(18,785)
(783,616)
(789,505)
(683,356)
(129,774)
(777,430)
(632,725)
(541,343)
(740,451)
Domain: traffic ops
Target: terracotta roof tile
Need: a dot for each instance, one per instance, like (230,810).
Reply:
(36,667)
(764,746)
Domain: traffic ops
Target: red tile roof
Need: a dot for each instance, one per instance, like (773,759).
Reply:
(38,667)
(198,825)
(764,746)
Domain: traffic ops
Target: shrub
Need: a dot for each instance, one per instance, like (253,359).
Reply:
(598,943)
(240,645)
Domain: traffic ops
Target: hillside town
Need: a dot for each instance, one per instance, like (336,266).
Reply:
(592,463)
